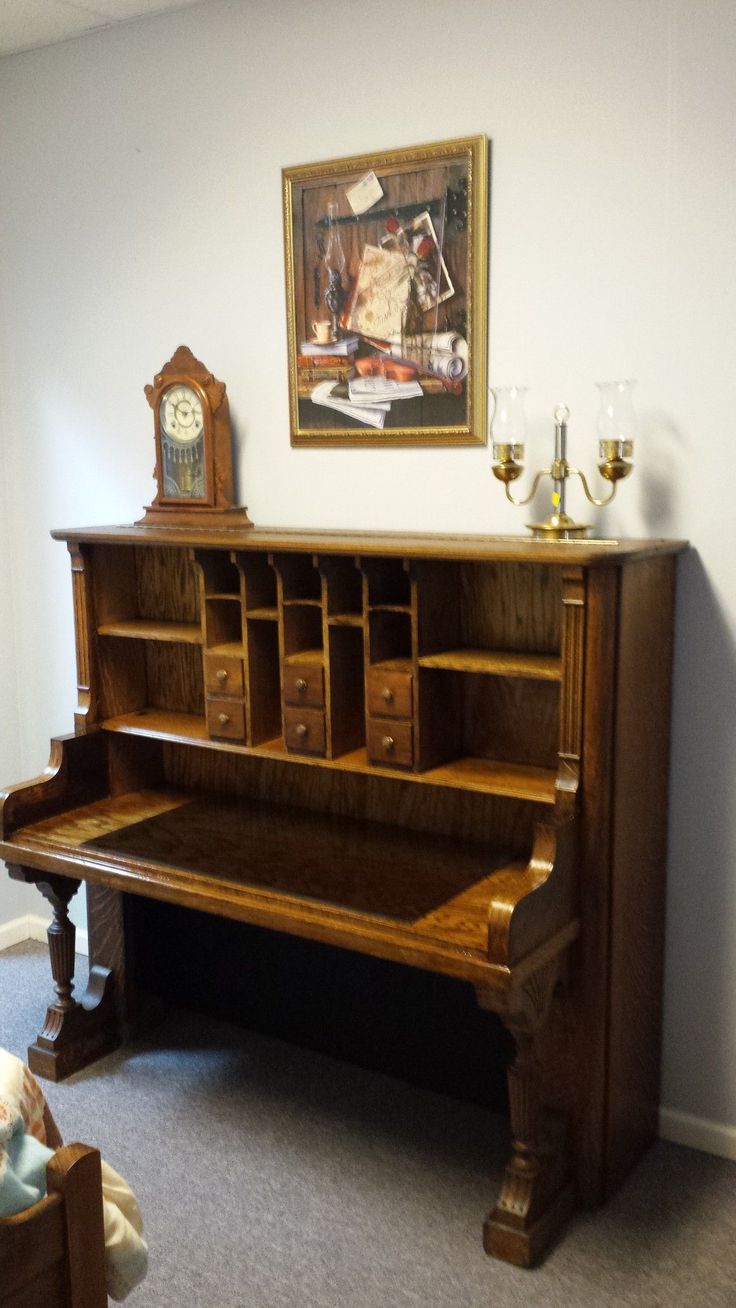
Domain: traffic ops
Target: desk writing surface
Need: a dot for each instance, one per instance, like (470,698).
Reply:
(254,860)
(368,867)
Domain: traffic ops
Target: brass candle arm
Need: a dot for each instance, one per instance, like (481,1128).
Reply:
(503,475)
(557,474)
(593,499)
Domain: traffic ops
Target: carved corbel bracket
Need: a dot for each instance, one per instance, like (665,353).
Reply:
(537,1195)
(74,1033)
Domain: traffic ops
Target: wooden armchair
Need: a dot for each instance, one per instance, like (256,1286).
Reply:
(53,1254)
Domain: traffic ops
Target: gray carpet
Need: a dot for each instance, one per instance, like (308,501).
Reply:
(271,1177)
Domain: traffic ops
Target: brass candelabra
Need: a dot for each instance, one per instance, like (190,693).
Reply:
(615,450)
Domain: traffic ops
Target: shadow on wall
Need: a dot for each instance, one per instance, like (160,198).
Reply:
(700,1052)
(656,487)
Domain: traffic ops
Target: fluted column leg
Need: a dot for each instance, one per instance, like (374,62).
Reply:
(74,1033)
(61,936)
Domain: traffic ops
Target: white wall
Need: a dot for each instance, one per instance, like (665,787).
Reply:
(16,901)
(141,209)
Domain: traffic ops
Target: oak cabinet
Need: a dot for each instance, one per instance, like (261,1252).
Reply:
(451,752)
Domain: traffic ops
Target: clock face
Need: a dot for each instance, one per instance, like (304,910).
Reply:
(182,442)
(182,419)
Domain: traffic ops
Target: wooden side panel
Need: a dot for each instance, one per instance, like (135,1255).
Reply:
(590,972)
(32,1256)
(639,847)
(74,1173)
(53,1253)
(76,774)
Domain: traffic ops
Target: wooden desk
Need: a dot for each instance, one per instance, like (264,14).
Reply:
(450,752)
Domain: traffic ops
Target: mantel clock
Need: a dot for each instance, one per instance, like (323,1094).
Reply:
(193,438)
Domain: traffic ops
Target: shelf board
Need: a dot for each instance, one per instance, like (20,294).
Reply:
(263,614)
(234,648)
(390,608)
(517,780)
(310,603)
(161,724)
(306,656)
(222,595)
(345,619)
(511,780)
(498,663)
(183,633)
(393,665)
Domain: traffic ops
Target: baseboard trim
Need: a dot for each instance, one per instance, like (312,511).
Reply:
(32,926)
(697,1133)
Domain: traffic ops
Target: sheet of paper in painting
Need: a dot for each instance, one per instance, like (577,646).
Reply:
(381,293)
(331,396)
(364,194)
(374,390)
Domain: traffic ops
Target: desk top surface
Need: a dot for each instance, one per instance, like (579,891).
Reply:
(464,548)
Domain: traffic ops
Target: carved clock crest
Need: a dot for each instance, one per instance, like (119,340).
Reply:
(194,453)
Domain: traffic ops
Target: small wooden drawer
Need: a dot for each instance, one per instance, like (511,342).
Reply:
(390,743)
(223,674)
(304,730)
(226,718)
(304,683)
(389,693)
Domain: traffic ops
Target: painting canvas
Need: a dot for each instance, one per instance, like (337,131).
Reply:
(386,293)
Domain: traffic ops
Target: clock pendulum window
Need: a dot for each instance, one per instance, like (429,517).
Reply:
(181,432)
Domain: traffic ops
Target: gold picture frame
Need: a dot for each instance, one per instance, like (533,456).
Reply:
(386,296)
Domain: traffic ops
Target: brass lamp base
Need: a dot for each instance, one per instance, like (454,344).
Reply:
(559,526)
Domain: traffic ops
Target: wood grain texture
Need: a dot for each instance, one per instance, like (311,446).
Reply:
(186,633)
(368,793)
(487,775)
(591,996)
(333,870)
(639,862)
(511,836)
(508,549)
(53,1254)
(76,772)
(533,667)
(537,1195)
(215,508)
(167,585)
(82,593)
(571,699)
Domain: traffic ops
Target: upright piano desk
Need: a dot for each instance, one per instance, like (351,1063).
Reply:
(450,752)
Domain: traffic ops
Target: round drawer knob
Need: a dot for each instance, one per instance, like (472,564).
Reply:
(223,719)
(301,730)
(388,694)
(301,685)
(221,675)
(388,744)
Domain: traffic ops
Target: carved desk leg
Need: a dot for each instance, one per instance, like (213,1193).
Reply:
(537,1195)
(74,1033)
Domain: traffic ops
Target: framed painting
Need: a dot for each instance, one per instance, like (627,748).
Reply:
(386,296)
